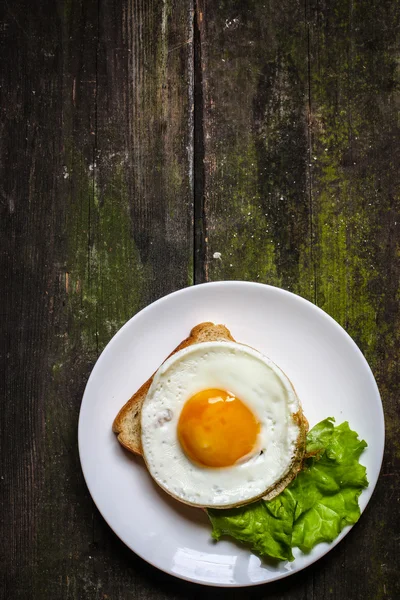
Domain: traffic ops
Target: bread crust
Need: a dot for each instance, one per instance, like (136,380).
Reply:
(127,422)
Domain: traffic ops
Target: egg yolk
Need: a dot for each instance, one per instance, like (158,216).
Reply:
(216,429)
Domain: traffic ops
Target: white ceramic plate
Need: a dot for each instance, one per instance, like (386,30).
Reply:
(329,372)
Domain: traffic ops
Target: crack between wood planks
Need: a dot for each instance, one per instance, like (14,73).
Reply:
(95,152)
(351,157)
(199,229)
(309,167)
(94,173)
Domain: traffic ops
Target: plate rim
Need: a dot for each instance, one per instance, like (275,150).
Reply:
(249,284)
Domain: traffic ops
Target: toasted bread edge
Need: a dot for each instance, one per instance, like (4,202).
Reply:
(130,440)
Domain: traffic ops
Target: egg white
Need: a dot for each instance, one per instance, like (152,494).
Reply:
(250,376)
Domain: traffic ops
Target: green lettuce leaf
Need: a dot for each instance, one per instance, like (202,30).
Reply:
(266,526)
(314,508)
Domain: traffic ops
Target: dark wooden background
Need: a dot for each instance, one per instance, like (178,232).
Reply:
(138,138)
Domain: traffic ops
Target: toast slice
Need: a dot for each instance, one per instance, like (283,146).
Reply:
(127,422)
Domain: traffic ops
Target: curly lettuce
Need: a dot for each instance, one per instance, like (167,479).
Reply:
(314,508)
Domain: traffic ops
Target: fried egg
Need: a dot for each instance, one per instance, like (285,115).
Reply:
(220,425)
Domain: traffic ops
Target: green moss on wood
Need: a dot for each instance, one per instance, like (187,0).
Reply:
(255,141)
(241,233)
(103,275)
(343,176)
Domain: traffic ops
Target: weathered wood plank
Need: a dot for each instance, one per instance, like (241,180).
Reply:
(30,166)
(97,203)
(300,133)
(302,190)
(256,140)
(355,179)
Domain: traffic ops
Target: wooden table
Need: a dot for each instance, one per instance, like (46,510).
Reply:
(139,139)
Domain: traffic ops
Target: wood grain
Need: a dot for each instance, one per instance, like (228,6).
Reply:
(148,145)
(302,190)
(356,203)
(96,158)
